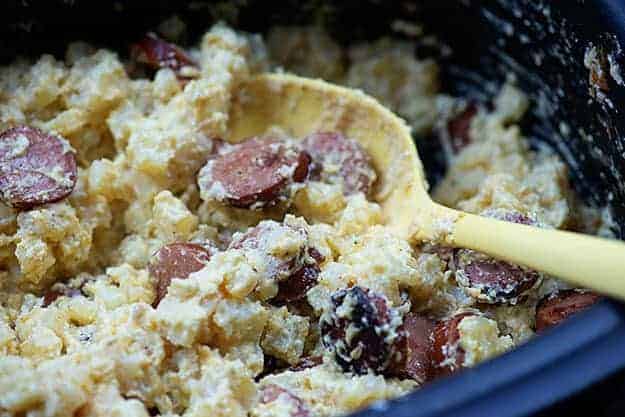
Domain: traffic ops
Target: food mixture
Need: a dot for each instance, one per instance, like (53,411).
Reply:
(151,267)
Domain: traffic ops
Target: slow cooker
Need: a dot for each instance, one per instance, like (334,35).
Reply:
(542,42)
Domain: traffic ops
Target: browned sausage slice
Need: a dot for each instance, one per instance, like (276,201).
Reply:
(557,307)
(459,126)
(157,53)
(447,355)
(36,168)
(273,392)
(414,349)
(493,281)
(295,287)
(176,260)
(254,173)
(490,280)
(338,159)
(296,273)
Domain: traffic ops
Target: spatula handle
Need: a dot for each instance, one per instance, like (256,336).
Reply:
(581,260)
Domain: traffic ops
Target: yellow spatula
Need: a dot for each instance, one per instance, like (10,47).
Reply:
(302,106)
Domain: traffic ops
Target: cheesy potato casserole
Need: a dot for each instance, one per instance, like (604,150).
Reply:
(151,266)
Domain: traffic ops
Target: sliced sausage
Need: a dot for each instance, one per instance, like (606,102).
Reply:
(414,349)
(338,159)
(261,237)
(492,281)
(156,53)
(447,355)
(176,260)
(272,392)
(36,167)
(458,128)
(296,272)
(254,173)
(360,330)
(555,308)
(295,287)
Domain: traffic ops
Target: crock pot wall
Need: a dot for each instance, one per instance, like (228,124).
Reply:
(542,42)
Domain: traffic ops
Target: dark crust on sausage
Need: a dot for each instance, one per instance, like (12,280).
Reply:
(370,320)
(43,170)
(557,307)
